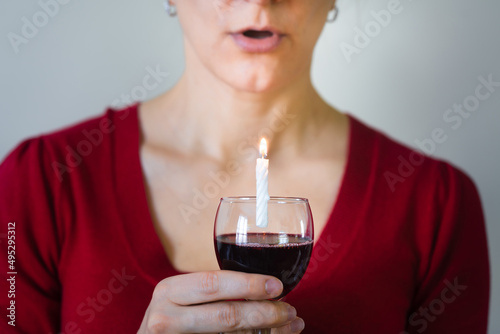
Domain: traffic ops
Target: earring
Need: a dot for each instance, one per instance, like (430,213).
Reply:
(332,15)
(169,8)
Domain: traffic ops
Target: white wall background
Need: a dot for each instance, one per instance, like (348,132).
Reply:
(428,58)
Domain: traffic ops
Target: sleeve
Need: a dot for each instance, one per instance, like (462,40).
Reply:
(453,294)
(29,243)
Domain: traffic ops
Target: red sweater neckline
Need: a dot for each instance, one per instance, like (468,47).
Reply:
(144,246)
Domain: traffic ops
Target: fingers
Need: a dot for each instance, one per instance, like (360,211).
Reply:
(205,303)
(296,326)
(234,316)
(205,287)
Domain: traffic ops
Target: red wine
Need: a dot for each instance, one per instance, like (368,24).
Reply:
(280,255)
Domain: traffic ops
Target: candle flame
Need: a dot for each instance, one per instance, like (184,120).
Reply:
(263,148)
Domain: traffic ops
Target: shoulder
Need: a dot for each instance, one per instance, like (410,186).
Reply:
(399,178)
(60,152)
(398,167)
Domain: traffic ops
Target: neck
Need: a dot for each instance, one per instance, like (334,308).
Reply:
(216,118)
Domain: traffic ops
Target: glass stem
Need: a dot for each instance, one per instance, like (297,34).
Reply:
(262,331)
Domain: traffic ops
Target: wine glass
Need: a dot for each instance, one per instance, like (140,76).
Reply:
(282,248)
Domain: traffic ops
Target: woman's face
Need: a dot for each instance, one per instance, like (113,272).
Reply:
(252,45)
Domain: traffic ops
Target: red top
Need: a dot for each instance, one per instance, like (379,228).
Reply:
(404,248)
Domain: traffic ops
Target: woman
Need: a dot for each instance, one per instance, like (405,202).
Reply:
(113,217)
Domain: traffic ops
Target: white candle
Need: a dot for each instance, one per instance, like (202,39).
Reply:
(261,174)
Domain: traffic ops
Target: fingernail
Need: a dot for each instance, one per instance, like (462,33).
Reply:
(273,287)
(297,325)
(292,312)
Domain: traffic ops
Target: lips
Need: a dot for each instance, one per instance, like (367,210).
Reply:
(257,40)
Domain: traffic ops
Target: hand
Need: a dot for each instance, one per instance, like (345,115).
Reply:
(197,303)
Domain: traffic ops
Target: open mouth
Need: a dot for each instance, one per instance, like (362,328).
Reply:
(257,34)
(254,40)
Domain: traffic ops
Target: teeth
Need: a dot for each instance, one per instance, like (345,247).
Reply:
(257,34)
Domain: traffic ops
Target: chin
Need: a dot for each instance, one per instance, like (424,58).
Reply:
(256,78)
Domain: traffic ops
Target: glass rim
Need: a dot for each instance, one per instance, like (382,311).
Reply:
(272,199)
